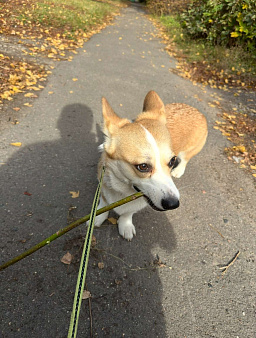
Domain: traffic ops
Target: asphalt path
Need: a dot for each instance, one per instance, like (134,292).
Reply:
(167,281)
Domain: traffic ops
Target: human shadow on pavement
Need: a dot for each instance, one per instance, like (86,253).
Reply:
(37,293)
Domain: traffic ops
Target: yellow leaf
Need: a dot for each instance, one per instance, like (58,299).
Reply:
(112,220)
(27,104)
(234,34)
(254,175)
(16,144)
(50,92)
(74,194)
(74,79)
(253,167)
(242,149)
(29,95)
(34,88)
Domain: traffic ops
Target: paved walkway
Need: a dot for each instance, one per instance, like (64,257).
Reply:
(184,296)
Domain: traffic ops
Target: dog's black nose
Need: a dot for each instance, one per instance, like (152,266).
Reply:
(170,203)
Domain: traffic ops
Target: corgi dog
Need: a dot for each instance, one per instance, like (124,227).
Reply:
(144,155)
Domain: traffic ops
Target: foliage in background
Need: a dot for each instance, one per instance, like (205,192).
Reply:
(223,55)
(205,56)
(216,65)
(166,7)
(223,22)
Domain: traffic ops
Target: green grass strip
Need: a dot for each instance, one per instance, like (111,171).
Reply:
(83,265)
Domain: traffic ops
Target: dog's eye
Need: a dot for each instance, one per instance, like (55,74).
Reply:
(173,162)
(143,167)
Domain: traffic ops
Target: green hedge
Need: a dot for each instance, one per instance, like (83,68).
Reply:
(223,22)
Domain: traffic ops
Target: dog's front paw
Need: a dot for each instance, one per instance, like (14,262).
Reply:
(126,228)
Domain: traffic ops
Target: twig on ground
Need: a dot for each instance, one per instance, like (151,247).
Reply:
(225,268)
(216,230)
(90,311)
(129,267)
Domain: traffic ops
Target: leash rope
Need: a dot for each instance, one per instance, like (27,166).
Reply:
(83,264)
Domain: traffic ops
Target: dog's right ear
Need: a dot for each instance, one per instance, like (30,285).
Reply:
(112,122)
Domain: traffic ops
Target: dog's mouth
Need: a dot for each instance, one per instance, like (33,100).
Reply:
(153,206)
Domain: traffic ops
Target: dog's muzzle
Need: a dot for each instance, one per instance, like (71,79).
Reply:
(167,203)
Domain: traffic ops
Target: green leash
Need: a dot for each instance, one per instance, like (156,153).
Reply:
(83,265)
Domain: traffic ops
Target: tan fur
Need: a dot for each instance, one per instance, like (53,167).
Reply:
(153,139)
(188,129)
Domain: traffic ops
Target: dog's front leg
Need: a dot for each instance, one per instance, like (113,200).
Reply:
(126,227)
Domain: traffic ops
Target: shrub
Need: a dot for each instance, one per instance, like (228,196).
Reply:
(166,7)
(224,22)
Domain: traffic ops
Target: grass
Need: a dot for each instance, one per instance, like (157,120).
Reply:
(231,66)
(67,16)
(73,15)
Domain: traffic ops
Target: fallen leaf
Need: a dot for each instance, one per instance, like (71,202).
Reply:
(74,194)
(16,108)
(29,95)
(100,265)
(27,193)
(241,149)
(94,241)
(112,220)
(74,79)
(16,144)
(86,294)
(67,258)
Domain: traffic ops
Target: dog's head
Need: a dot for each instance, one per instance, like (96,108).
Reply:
(140,154)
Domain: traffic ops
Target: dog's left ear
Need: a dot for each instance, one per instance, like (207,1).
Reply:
(153,107)
(153,102)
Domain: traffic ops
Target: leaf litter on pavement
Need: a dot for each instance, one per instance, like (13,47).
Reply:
(46,29)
